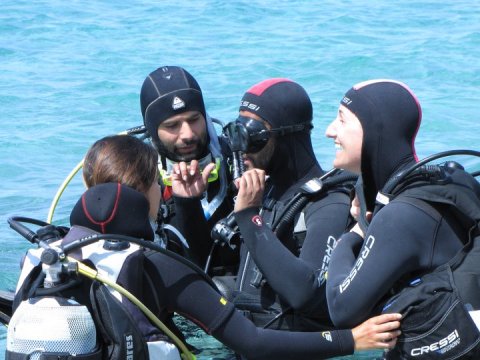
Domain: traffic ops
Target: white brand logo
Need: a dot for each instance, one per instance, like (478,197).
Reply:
(331,243)
(249,105)
(346,100)
(327,335)
(364,254)
(177,103)
(257,220)
(129,346)
(441,347)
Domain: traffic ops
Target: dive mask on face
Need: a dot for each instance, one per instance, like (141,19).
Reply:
(250,136)
(247,135)
(166,174)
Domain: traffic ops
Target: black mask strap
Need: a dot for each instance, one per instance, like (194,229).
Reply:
(250,135)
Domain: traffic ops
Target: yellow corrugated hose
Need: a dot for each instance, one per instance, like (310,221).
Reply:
(61,189)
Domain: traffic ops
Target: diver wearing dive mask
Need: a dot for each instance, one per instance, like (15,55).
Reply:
(249,137)
(272,134)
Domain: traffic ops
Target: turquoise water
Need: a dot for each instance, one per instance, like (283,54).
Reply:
(71,72)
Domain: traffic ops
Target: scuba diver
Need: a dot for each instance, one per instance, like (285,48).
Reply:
(274,125)
(164,281)
(174,115)
(402,237)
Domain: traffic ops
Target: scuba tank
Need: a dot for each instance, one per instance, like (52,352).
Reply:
(48,326)
(64,309)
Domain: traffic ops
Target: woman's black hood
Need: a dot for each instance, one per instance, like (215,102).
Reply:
(390,115)
(285,104)
(112,208)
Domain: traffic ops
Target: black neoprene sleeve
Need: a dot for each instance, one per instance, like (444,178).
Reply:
(191,222)
(182,290)
(294,278)
(402,239)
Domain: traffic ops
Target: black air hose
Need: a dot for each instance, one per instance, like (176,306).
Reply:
(299,201)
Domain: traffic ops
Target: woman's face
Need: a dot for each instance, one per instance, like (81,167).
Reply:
(347,133)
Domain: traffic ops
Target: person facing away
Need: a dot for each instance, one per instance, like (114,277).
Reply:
(374,134)
(174,114)
(281,275)
(172,285)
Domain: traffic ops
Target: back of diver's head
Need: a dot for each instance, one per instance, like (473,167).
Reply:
(113,208)
(121,158)
(390,115)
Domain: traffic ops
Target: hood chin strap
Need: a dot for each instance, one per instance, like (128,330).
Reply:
(362,220)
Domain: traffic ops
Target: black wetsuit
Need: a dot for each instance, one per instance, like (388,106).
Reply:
(187,215)
(163,87)
(167,283)
(405,238)
(286,274)
(292,272)
(180,289)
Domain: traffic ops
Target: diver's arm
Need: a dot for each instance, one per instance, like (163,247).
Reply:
(182,290)
(296,280)
(361,271)
(379,332)
(241,335)
(185,292)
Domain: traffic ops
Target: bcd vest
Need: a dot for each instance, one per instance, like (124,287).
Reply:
(439,308)
(123,330)
(253,294)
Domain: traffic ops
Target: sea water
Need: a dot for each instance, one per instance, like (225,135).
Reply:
(71,72)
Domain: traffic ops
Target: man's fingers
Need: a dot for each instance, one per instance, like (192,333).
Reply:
(193,167)
(182,170)
(260,177)
(391,338)
(388,344)
(255,178)
(247,181)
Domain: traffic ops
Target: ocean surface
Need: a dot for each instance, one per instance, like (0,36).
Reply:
(71,72)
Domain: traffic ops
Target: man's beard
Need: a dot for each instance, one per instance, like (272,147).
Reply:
(262,159)
(199,152)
